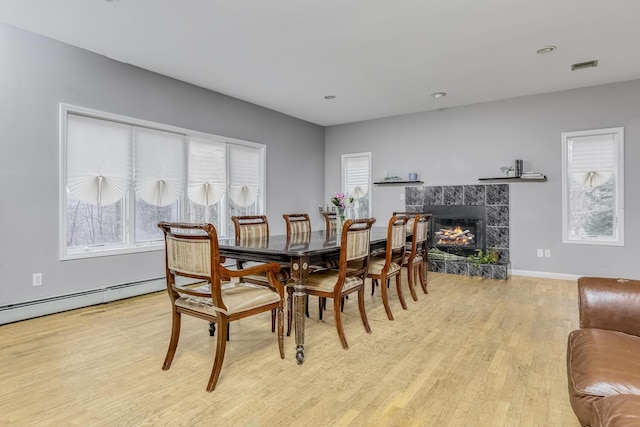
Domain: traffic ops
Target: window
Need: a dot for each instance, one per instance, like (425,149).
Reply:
(121,176)
(593,187)
(356,182)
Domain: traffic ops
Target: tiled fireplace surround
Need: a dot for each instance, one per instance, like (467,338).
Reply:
(495,197)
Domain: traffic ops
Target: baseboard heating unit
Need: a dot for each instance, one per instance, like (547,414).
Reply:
(29,309)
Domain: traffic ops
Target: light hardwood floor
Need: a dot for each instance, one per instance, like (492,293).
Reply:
(474,352)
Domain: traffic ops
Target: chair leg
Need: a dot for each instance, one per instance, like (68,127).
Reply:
(173,343)
(281,329)
(289,309)
(321,305)
(374,283)
(399,290)
(273,320)
(338,317)
(223,326)
(410,279)
(422,273)
(385,300)
(212,330)
(363,313)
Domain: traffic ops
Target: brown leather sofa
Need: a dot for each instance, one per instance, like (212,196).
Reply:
(603,356)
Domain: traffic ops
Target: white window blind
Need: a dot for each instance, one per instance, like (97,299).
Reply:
(356,182)
(593,187)
(357,177)
(121,176)
(207,178)
(245,175)
(160,166)
(591,159)
(98,160)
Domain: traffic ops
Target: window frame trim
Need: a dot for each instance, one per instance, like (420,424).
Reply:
(618,133)
(343,177)
(129,246)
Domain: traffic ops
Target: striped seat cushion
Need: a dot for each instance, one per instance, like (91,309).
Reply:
(325,281)
(377,264)
(418,258)
(238,297)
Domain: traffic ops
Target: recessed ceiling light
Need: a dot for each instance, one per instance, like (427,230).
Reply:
(546,49)
(330,97)
(437,95)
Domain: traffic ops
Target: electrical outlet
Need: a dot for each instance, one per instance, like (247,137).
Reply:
(547,253)
(402,196)
(37,279)
(540,253)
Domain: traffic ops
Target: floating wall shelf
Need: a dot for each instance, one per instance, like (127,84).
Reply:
(515,179)
(399,183)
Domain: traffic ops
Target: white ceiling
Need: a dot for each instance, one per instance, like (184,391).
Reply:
(378,58)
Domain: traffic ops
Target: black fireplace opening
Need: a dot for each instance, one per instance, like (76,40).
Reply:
(458,230)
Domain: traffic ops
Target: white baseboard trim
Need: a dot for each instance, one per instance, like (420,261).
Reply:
(545,275)
(42,307)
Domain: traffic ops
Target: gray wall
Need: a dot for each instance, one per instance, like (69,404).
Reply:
(36,74)
(460,145)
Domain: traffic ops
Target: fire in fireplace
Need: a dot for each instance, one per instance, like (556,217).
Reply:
(454,237)
(457,229)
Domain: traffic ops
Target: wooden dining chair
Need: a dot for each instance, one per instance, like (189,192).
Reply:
(416,255)
(330,221)
(350,275)
(254,230)
(191,251)
(250,227)
(389,264)
(416,260)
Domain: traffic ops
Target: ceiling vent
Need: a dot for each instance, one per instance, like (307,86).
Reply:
(583,65)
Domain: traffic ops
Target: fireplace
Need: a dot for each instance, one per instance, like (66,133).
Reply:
(485,206)
(457,229)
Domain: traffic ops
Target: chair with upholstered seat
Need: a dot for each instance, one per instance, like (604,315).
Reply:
(253,230)
(388,265)
(330,221)
(416,256)
(192,253)
(349,277)
(417,259)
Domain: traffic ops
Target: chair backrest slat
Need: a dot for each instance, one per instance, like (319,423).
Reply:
(358,244)
(189,256)
(330,221)
(297,223)
(250,227)
(398,235)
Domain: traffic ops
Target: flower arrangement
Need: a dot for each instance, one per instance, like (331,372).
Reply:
(341,201)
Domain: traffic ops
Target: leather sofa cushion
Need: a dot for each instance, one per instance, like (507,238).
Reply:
(601,363)
(621,410)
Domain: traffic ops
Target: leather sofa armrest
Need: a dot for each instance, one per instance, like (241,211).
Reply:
(612,304)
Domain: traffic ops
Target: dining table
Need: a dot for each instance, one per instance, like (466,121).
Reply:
(297,253)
